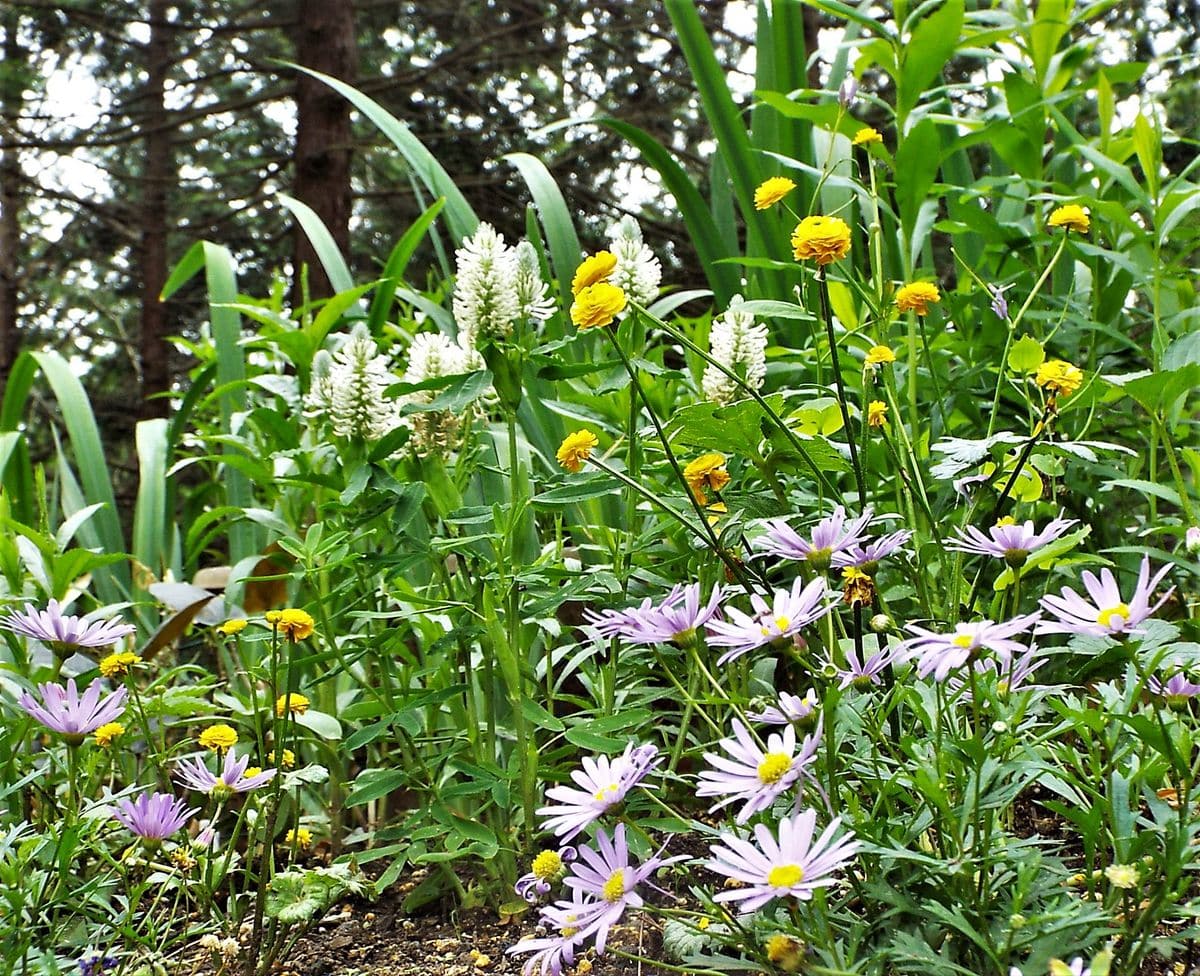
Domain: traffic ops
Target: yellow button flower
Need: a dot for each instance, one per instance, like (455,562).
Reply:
(771,191)
(287,762)
(1072,217)
(597,305)
(575,449)
(706,472)
(877,412)
(880,356)
(291,702)
(219,737)
(865,136)
(294,624)
(300,836)
(231,627)
(917,297)
(821,239)
(594,269)
(107,732)
(118,664)
(1059,378)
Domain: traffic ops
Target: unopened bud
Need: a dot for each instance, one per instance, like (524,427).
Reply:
(847,91)
(881,623)
(1191,540)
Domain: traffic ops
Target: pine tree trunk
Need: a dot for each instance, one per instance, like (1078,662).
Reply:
(325,41)
(12,94)
(153,350)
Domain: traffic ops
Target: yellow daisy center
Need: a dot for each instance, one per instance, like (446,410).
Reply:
(1104,618)
(785,876)
(773,766)
(614,887)
(605,792)
(547,865)
(963,640)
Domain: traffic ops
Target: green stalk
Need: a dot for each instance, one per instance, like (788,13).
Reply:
(843,401)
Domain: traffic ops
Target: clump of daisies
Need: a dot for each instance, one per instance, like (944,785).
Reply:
(348,389)
(433,356)
(740,345)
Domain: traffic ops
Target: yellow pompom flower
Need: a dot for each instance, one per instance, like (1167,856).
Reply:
(294,624)
(301,837)
(575,449)
(594,269)
(1072,217)
(287,762)
(917,297)
(877,412)
(1059,378)
(880,356)
(865,136)
(706,472)
(821,239)
(231,627)
(107,732)
(118,664)
(291,702)
(273,616)
(771,191)
(597,305)
(219,737)
(785,952)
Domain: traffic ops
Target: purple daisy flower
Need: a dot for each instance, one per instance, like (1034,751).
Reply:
(74,717)
(603,784)
(860,674)
(1012,674)
(1108,615)
(753,774)
(791,611)
(939,654)
(1176,689)
(675,620)
(195,775)
(552,953)
(866,556)
(1011,541)
(64,634)
(789,709)
(153,816)
(792,865)
(830,537)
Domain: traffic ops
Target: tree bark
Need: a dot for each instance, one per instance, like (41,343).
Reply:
(153,351)
(12,94)
(325,41)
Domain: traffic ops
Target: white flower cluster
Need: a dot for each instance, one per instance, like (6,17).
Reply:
(531,290)
(433,355)
(496,285)
(739,345)
(348,389)
(638,272)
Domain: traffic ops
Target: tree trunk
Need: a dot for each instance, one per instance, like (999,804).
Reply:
(325,41)
(153,350)
(12,94)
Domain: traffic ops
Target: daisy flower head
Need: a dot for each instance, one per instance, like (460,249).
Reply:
(754,775)
(550,954)
(1009,540)
(1011,674)
(575,449)
(1105,613)
(939,654)
(831,536)
(548,868)
(862,674)
(71,715)
(706,472)
(118,664)
(1058,377)
(592,270)
(787,865)
(234,625)
(676,620)
(63,633)
(1176,690)
(781,620)
(219,737)
(866,136)
(108,733)
(235,776)
(153,816)
(295,625)
(878,356)
(597,305)
(869,553)
(292,702)
(602,784)
(800,710)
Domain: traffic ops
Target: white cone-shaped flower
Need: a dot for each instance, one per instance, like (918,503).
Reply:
(739,345)
(534,303)
(638,272)
(348,389)
(486,302)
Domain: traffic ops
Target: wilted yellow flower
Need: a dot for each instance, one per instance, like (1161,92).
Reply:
(877,412)
(716,511)
(1072,217)
(707,471)
(594,268)
(857,587)
(1122,875)
(291,702)
(917,297)
(231,627)
(821,239)
(771,191)
(597,305)
(107,732)
(118,664)
(1058,378)
(880,356)
(219,737)
(865,136)
(575,449)
(785,952)
(294,624)
(300,836)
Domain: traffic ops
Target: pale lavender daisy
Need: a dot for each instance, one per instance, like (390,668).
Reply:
(868,554)
(830,537)
(195,775)
(675,620)
(73,716)
(792,865)
(752,774)
(64,633)
(1176,689)
(153,816)
(1012,674)
(789,709)
(1108,615)
(863,674)
(603,783)
(1009,540)
(548,868)
(791,611)
(606,874)
(939,654)
(550,953)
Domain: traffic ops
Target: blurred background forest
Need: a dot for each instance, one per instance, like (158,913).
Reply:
(130,129)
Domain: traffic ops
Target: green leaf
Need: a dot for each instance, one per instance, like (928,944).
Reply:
(150,510)
(1026,355)
(458,392)
(565,250)
(921,61)
(322,242)
(371,784)
(397,264)
(917,160)
(325,725)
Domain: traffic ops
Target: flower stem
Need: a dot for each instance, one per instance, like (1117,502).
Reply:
(841,389)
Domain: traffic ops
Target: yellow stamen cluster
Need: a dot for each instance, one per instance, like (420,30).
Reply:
(785,876)
(707,472)
(773,766)
(614,887)
(771,191)
(119,664)
(300,837)
(547,865)
(917,297)
(1105,617)
(575,449)
(821,239)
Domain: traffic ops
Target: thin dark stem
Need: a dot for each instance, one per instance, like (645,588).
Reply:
(841,389)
